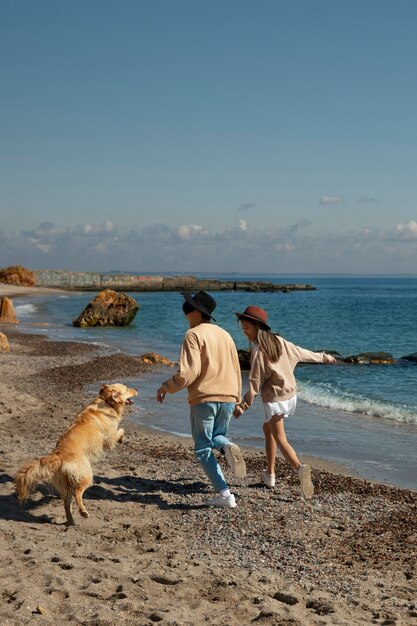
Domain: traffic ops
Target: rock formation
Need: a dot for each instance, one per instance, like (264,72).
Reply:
(382,358)
(108,308)
(156,359)
(7,312)
(17,275)
(244,359)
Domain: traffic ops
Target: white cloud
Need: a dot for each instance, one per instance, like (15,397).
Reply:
(36,243)
(192,248)
(48,229)
(407,231)
(330,200)
(107,227)
(186,231)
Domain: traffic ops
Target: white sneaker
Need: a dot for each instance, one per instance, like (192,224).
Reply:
(235,459)
(268,479)
(304,475)
(222,502)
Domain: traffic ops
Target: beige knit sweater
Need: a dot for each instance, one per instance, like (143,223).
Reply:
(208,366)
(276,381)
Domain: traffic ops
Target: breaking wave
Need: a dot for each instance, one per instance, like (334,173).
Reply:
(325,395)
(25,310)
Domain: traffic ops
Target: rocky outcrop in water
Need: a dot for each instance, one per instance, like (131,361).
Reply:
(381,358)
(244,359)
(7,312)
(152,358)
(108,308)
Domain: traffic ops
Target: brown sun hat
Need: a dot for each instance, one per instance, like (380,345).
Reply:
(255,313)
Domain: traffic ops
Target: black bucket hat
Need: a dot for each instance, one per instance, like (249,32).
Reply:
(202,301)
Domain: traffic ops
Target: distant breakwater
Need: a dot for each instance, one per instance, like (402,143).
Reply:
(94,281)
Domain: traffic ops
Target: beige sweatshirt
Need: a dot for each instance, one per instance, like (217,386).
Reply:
(208,366)
(276,381)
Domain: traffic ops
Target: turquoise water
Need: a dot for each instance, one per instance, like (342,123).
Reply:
(364,416)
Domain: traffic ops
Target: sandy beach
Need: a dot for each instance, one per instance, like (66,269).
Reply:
(152,551)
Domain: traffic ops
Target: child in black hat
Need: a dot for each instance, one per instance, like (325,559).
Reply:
(209,368)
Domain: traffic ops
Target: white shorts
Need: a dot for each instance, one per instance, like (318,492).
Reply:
(285,408)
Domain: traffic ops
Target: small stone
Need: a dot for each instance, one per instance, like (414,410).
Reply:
(263,615)
(286,598)
(320,607)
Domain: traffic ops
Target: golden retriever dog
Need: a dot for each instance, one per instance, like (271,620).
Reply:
(68,466)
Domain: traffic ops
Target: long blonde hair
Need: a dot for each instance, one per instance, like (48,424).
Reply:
(267,341)
(269,344)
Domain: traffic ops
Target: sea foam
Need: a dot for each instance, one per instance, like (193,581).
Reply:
(327,396)
(23,310)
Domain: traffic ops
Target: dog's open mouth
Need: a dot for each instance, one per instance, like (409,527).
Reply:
(129,401)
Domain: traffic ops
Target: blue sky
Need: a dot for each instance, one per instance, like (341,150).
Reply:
(207,135)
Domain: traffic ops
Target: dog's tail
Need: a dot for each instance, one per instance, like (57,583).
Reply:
(35,473)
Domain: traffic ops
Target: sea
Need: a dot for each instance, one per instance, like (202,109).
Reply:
(362,417)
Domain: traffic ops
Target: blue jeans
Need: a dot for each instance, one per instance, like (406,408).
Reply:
(209,426)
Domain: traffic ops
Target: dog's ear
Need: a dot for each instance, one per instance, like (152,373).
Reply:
(102,394)
(111,396)
(117,397)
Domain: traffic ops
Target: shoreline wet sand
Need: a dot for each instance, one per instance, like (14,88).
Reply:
(151,551)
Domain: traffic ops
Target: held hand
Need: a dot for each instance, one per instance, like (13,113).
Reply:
(160,394)
(330,358)
(237,412)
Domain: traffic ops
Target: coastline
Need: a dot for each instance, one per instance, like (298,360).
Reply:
(152,551)
(13,291)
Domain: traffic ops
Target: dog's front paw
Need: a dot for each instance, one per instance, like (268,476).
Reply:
(120,437)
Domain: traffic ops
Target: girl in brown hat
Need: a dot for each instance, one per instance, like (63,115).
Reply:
(273,360)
